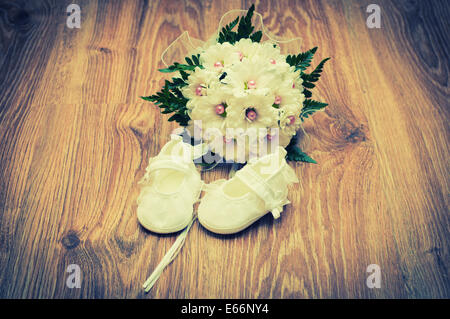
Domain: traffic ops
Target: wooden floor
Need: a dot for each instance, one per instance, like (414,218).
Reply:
(75,140)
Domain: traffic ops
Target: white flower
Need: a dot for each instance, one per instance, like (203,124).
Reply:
(285,95)
(271,54)
(219,56)
(282,140)
(211,109)
(246,48)
(199,82)
(289,118)
(253,110)
(294,78)
(250,75)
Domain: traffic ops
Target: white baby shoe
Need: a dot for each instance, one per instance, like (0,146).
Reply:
(230,206)
(170,187)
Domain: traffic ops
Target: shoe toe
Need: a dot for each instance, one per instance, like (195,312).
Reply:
(225,217)
(163,216)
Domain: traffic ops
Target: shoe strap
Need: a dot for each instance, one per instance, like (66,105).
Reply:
(168,257)
(190,152)
(272,198)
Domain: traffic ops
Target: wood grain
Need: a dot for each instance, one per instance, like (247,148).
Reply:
(75,139)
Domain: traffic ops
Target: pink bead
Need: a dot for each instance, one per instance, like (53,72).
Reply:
(220,109)
(291,119)
(218,64)
(241,56)
(251,115)
(198,90)
(273,61)
(226,140)
(277,100)
(293,85)
(251,84)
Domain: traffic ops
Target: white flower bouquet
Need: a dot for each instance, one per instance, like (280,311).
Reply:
(239,94)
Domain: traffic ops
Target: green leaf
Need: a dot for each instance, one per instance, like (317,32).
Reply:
(256,37)
(301,61)
(178,67)
(184,75)
(244,31)
(309,79)
(176,117)
(196,60)
(177,83)
(294,153)
(192,63)
(171,100)
(245,27)
(314,75)
(311,106)
(222,76)
(307,93)
(189,61)
(226,35)
(308,85)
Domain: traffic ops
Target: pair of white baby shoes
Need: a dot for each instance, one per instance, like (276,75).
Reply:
(172,185)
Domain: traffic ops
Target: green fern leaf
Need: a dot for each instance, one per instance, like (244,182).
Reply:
(311,106)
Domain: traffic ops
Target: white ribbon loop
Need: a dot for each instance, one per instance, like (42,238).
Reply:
(185,45)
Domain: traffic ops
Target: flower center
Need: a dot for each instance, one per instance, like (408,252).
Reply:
(227,140)
(198,90)
(220,109)
(291,119)
(277,100)
(251,114)
(251,84)
(293,85)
